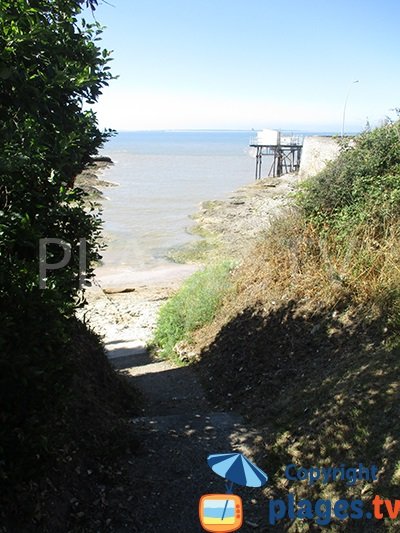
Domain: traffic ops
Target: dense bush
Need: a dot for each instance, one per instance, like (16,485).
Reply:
(50,65)
(363,182)
(354,208)
(310,342)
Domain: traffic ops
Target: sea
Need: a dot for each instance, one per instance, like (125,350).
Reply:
(162,177)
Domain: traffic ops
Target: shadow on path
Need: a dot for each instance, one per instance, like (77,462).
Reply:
(178,430)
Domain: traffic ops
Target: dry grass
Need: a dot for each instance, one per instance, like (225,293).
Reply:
(307,348)
(292,262)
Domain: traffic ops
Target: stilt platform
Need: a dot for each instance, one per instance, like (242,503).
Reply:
(285,150)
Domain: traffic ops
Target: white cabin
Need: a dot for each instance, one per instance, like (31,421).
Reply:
(268,137)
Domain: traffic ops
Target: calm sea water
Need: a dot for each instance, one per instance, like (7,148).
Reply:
(163,177)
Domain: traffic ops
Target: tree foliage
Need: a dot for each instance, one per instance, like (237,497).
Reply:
(50,67)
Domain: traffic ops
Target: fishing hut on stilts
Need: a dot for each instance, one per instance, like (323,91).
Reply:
(283,149)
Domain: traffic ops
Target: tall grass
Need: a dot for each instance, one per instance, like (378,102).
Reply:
(311,337)
(193,306)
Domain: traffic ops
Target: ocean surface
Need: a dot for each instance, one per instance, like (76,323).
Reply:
(162,178)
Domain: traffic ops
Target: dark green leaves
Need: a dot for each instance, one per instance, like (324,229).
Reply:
(49,67)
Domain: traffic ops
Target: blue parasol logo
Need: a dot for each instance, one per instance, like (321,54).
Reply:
(236,468)
(224,512)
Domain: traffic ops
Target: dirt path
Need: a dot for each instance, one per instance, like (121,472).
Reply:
(178,428)
(177,431)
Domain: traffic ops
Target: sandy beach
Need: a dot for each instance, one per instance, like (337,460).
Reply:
(123,304)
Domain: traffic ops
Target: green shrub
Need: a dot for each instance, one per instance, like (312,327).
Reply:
(353,206)
(363,181)
(193,306)
(50,67)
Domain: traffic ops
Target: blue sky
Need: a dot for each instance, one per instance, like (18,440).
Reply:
(242,64)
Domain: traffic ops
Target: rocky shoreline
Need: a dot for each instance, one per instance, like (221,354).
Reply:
(227,228)
(89,179)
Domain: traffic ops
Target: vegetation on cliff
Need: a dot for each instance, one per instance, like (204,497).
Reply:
(307,345)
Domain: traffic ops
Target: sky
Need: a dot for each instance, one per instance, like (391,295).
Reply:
(250,64)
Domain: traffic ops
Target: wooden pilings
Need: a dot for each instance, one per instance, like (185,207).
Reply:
(286,158)
(258,162)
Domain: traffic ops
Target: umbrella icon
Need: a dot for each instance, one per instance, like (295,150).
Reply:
(236,468)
